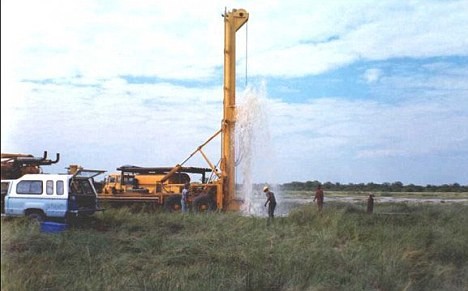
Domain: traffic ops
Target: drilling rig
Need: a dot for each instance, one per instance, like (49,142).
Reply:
(16,165)
(163,185)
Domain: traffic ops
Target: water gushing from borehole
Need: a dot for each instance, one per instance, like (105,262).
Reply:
(254,150)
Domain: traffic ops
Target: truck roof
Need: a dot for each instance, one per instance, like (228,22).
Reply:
(42,176)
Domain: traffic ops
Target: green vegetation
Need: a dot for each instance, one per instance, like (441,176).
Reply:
(374,187)
(417,247)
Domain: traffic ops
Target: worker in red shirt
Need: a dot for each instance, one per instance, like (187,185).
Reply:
(319,197)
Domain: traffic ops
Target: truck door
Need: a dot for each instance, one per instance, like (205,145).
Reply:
(82,194)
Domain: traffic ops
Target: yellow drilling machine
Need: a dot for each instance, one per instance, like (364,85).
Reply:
(163,185)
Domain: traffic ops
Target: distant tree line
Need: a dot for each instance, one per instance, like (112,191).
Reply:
(369,187)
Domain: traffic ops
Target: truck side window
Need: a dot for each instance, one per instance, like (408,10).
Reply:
(50,187)
(29,187)
(60,189)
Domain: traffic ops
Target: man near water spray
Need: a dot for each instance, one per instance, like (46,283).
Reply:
(271,201)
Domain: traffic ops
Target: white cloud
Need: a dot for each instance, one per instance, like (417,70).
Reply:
(365,132)
(184,39)
(362,31)
(62,39)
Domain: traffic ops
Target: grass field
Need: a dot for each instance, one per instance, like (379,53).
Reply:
(418,247)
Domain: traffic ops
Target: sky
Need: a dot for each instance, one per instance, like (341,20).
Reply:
(342,91)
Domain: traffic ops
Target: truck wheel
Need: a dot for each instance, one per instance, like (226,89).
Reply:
(203,204)
(36,216)
(172,203)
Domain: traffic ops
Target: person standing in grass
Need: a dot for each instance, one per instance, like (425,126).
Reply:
(184,199)
(319,197)
(271,201)
(370,204)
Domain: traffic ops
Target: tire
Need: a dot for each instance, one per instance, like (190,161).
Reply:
(36,216)
(172,203)
(203,204)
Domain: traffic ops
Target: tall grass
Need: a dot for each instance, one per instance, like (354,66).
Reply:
(343,248)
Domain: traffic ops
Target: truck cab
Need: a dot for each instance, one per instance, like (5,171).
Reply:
(42,196)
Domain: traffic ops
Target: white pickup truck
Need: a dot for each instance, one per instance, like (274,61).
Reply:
(42,196)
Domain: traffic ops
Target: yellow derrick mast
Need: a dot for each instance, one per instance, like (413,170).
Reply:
(233,21)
